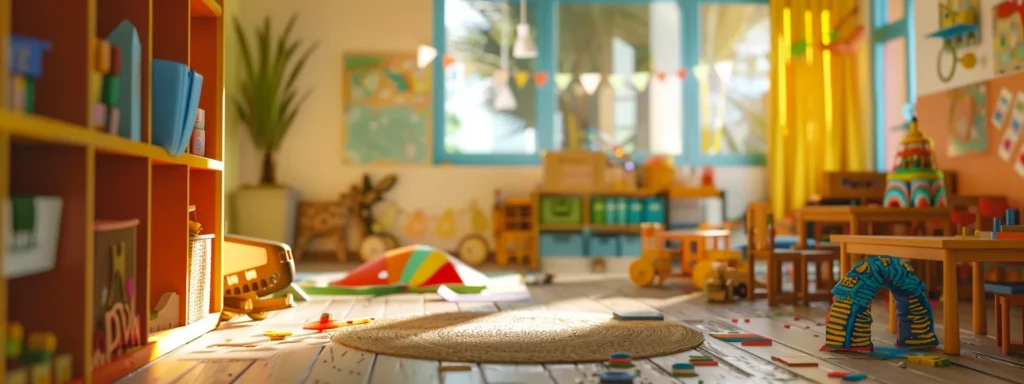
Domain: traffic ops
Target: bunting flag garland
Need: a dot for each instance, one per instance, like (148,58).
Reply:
(447,61)
(681,73)
(522,78)
(562,80)
(661,75)
(540,79)
(640,81)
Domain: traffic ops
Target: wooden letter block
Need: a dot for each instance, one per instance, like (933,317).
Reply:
(63,365)
(111,89)
(115,60)
(102,53)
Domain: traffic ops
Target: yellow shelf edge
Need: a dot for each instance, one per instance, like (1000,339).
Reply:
(52,130)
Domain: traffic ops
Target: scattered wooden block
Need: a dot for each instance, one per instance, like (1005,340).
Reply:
(933,361)
(454,368)
(795,361)
(704,363)
(639,316)
(839,374)
(757,343)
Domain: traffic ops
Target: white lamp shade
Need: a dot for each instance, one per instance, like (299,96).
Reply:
(425,55)
(590,82)
(524,47)
(504,99)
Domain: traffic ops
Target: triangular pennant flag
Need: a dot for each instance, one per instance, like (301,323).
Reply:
(615,81)
(661,75)
(590,82)
(424,55)
(447,60)
(640,80)
(562,80)
(681,73)
(540,79)
(522,78)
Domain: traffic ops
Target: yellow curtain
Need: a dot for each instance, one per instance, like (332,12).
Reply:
(815,109)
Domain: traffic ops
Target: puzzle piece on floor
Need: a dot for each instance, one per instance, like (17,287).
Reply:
(933,361)
(796,361)
(641,316)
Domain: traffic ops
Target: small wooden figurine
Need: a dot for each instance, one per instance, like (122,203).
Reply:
(348,222)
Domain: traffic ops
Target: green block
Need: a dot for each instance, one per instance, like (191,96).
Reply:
(111,89)
(30,96)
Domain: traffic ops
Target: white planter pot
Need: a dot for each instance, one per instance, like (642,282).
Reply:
(266,213)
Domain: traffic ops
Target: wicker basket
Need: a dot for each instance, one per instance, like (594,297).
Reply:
(197,294)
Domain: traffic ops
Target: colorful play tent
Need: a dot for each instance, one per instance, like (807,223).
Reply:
(416,267)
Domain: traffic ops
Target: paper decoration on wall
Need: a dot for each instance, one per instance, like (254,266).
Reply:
(661,75)
(562,80)
(522,78)
(615,81)
(951,42)
(1018,165)
(445,226)
(1012,135)
(640,81)
(681,73)
(967,120)
(479,221)
(416,226)
(1002,109)
(540,79)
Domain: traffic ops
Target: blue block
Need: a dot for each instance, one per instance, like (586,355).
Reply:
(630,245)
(654,211)
(1005,288)
(562,244)
(603,245)
(27,55)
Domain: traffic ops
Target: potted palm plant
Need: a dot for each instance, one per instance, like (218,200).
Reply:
(267,102)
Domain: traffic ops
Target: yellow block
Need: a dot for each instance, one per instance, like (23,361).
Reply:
(17,376)
(42,373)
(63,365)
(42,341)
(102,53)
(95,86)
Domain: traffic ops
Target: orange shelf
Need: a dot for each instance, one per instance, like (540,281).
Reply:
(102,176)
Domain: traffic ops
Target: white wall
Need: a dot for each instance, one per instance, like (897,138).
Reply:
(310,158)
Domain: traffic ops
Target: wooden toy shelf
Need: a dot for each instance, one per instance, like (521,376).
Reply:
(100,176)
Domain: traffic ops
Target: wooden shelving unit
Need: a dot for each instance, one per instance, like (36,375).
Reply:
(102,176)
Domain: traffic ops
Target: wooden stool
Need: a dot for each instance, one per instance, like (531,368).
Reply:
(823,279)
(776,261)
(1007,295)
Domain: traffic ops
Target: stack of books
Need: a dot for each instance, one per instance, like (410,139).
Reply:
(26,67)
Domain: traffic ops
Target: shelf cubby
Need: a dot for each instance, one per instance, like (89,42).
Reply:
(63,89)
(52,301)
(101,176)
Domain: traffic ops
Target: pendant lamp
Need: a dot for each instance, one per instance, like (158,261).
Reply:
(425,55)
(524,47)
(504,99)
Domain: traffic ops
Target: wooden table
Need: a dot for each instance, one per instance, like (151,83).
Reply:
(949,251)
(687,239)
(856,216)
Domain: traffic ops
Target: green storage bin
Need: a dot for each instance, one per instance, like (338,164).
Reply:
(597,211)
(561,210)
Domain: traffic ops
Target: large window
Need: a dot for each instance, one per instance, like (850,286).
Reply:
(685,79)
(894,87)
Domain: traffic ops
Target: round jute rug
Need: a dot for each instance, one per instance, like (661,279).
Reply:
(518,337)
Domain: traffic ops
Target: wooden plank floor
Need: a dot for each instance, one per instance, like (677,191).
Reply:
(313,363)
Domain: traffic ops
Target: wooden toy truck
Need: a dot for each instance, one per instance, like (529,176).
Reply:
(254,269)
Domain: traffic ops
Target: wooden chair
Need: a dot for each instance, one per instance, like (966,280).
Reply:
(761,247)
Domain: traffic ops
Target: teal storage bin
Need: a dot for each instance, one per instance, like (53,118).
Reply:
(629,245)
(562,244)
(654,212)
(616,210)
(603,245)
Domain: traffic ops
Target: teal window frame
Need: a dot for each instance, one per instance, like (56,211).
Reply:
(882,32)
(546,37)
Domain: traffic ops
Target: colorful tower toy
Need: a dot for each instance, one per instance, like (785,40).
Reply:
(915,181)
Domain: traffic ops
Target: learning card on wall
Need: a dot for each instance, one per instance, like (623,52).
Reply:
(1018,165)
(1012,135)
(1002,108)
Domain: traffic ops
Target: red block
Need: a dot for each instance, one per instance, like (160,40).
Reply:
(757,343)
(710,363)
(839,374)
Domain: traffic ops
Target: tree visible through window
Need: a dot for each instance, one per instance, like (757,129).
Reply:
(476,31)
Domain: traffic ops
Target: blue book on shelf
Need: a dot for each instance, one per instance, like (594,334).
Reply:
(175,98)
(195,88)
(126,38)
